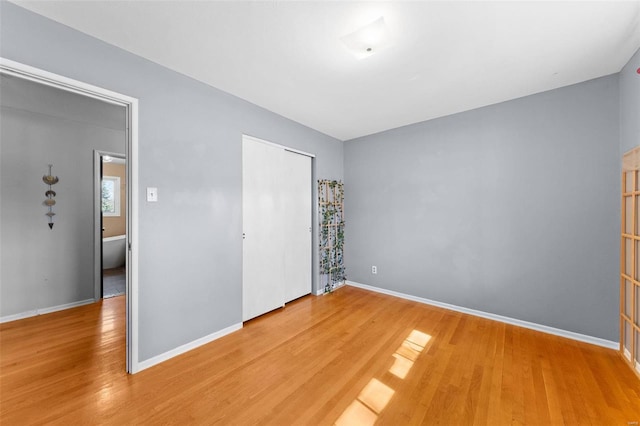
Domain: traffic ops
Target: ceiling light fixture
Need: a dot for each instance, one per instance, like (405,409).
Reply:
(368,40)
(107,158)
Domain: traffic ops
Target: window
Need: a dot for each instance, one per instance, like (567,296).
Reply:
(111,196)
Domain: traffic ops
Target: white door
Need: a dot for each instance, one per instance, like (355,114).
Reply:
(297,225)
(262,260)
(276,215)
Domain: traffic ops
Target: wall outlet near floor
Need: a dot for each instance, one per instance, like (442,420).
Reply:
(374,269)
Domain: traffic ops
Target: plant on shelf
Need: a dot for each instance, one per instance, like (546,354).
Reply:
(331,208)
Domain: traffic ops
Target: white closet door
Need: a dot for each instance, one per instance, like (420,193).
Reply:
(296,189)
(263,244)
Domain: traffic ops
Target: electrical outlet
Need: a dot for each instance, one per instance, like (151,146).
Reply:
(374,269)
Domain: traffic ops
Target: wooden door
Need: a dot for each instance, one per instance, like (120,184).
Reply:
(630,261)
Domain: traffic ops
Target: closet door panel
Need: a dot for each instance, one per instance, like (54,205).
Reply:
(263,244)
(296,189)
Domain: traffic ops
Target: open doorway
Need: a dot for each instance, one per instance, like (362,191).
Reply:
(111,225)
(70,218)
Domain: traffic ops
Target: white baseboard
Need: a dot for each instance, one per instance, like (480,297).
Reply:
(186,347)
(627,355)
(42,311)
(508,320)
(321,292)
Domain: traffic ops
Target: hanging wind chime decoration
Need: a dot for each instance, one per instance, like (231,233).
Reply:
(50,194)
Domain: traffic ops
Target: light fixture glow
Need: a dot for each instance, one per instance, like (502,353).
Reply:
(368,40)
(107,158)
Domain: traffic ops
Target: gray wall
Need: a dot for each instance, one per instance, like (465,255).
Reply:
(630,104)
(511,209)
(190,148)
(40,125)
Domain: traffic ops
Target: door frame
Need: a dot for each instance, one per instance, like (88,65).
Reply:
(27,72)
(97,216)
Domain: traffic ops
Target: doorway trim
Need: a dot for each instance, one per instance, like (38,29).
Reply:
(286,148)
(97,210)
(16,69)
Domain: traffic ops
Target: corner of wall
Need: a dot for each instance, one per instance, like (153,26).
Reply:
(629,90)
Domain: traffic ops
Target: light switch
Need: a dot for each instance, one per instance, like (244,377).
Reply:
(152,195)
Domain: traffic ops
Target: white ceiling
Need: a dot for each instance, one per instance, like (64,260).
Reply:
(446,57)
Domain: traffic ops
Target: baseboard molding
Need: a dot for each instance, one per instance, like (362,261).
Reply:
(36,312)
(507,320)
(627,355)
(320,292)
(186,347)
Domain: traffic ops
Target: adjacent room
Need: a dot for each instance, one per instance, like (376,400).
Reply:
(312,213)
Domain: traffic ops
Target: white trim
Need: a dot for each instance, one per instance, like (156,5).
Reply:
(286,148)
(626,353)
(132,238)
(507,320)
(188,347)
(36,312)
(114,160)
(27,72)
(638,366)
(321,292)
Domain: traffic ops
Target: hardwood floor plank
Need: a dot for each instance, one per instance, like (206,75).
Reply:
(352,357)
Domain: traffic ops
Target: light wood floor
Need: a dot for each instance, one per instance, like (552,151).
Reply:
(351,357)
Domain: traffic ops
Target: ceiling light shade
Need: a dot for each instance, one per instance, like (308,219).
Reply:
(368,40)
